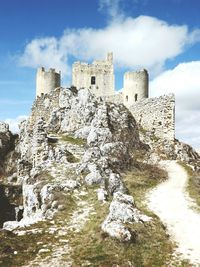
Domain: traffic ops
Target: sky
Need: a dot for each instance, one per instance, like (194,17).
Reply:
(162,36)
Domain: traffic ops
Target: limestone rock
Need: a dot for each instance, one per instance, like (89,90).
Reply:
(122,211)
(7,145)
(102,194)
(117,230)
(94,178)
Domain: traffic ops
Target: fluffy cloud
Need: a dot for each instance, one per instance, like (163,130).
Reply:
(44,52)
(136,42)
(111,7)
(14,123)
(184,82)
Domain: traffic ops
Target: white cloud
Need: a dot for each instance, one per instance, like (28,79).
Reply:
(184,81)
(136,42)
(44,52)
(14,123)
(112,7)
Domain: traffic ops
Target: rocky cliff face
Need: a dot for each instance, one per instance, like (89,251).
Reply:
(72,141)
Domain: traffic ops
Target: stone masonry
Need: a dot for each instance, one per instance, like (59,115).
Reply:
(156,115)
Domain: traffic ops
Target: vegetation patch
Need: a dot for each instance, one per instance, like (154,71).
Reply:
(152,246)
(193,186)
(71,158)
(73,140)
(142,130)
(16,251)
(44,176)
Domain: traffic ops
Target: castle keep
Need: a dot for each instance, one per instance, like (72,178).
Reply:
(98,76)
(157,115)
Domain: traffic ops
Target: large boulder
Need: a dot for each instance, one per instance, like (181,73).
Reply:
(122,211)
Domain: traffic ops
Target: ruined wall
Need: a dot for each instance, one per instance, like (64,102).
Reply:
(46,81)
(156,115)
(98,76)
(117,98)
(136,87)
(43,106)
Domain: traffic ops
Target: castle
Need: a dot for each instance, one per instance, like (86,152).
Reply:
(99,78)
(156,115)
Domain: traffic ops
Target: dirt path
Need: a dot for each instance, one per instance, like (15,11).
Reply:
(173,205)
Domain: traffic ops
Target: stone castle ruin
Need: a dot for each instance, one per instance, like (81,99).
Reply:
(99,78)
(156,115)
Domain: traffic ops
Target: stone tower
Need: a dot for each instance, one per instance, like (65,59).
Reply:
(46,81)
(98,76)
(135,87)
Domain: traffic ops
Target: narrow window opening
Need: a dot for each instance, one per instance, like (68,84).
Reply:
(93,80)
(127,98)
(136,97)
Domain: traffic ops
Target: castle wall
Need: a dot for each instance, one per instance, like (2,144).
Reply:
(156,115)
(46,81)
(102,73)
(117,98)
(135,87)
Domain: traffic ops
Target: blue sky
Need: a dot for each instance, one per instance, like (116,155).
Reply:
(160,35)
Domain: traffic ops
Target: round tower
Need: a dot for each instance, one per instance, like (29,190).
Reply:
(136,87)
(46,81)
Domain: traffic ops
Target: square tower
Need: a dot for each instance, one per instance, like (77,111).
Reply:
(98,76)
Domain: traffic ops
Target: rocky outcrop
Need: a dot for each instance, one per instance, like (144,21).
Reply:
(72,139)
(123,211)
(187,154)
(7,153)
(110,136)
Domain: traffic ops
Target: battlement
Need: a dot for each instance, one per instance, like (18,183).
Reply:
(51,70)
(96,66)
(137,73)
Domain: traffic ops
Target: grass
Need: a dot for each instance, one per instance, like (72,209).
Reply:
(193,186)
(152,247)
(142,130)
(73,140)
(71,158)
(28,246)
(141,179)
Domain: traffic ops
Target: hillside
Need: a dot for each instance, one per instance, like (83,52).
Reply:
(74,184)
